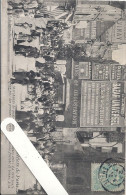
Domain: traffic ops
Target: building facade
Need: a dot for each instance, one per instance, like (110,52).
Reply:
(90,12)
(88,94)
(84,34)
(117,33)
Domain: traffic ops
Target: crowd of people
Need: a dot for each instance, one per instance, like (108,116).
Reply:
(39,36)
(38,113)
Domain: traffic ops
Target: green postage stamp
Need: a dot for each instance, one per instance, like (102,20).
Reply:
(108,177)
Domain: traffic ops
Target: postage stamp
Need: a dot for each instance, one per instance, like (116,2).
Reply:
(108,177)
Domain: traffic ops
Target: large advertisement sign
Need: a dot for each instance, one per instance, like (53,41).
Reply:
(82,70)
(118,72)
(108,72)
(102,104)
(72,114)
(100,71)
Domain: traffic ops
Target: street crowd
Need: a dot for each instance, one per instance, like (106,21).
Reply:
(33,23)
(38,113)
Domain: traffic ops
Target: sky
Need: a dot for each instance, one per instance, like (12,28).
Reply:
(120,54)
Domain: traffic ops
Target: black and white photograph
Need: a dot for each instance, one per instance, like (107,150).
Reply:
(63,80)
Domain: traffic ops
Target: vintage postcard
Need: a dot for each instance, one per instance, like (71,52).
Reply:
(63,74)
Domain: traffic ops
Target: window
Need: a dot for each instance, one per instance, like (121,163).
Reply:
(99,149)
(114,150)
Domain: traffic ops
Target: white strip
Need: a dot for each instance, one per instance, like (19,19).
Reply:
(61,15)
(68,17)
(32,158)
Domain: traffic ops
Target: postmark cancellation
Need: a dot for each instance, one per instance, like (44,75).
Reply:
(107,177)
